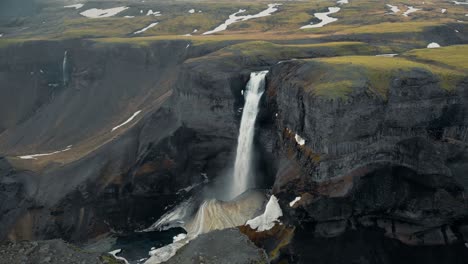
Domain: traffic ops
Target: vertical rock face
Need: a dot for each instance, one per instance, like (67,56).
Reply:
(393,162)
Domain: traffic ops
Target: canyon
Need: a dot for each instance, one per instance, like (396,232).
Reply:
(359,138)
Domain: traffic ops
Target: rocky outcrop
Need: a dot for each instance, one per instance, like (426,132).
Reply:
(226,246)
(51,251)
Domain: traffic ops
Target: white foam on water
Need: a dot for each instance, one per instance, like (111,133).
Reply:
(100,13)
(127,121)
(410,10)
(77,6)
(117,251)
(324,17)
(269,218)
(234,18)
(35,156)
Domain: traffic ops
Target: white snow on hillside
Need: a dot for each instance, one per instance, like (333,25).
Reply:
(299,140)
(293,202)
(388,55)
(191,11)
(155,13)
(234,18)
(77,6)
(324,17)
(100,13)
(128,121)
(269,218)
(35,156)
(410,10)
(145,28)
(433,45)
(394,9)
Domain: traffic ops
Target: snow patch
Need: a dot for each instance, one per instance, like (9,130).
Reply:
(293,202)
(77,6)
(269,218)
(191,11)
(99,13)
(433,45)
(460,3)
(388,55)
(129,16)
(117,251)
(145,28)
(443,10)
(324,17)
(163,254)
(299,140)
(341,2)
(128,121)
(411,10)
(233,18)
(190,34)
(155,13)
(394,9)
(35,156)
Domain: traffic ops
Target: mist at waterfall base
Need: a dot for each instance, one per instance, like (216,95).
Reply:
(229,201)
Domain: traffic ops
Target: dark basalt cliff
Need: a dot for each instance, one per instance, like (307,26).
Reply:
(390,167)
(397,164)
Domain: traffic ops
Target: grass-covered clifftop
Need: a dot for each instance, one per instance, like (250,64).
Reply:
(338,77)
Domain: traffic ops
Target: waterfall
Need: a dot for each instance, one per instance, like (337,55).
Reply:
(242,180)
(65,69)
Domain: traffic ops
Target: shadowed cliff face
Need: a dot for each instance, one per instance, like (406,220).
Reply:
(123,179)
(394,163)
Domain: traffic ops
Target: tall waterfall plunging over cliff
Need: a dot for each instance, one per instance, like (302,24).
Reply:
(242,177)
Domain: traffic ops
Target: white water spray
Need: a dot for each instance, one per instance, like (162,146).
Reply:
(242,179)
